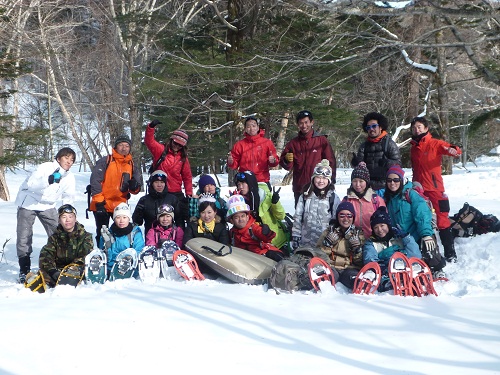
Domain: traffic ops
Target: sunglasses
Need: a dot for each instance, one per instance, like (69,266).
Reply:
(165,209)
(345,216)
(395,180)
(66,209)
(369,127)
(177,144)
(323,171)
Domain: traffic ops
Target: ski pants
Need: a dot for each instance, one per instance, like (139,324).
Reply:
(441,205)
(25,222)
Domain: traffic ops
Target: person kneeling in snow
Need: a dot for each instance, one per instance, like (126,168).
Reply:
(384,242)
(247,233)
(70,243)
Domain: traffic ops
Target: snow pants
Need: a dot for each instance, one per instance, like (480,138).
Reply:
(25,222)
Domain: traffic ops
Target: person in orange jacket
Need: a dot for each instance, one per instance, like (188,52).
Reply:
(426,156)
(113,179)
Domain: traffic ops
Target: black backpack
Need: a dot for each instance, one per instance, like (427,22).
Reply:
(465,222)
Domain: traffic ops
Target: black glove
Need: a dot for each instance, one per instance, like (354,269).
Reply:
(153,123)
(100,207)
(266,230)
(55,177)
(133,185)
(398,232)
(54,274)
(276,196)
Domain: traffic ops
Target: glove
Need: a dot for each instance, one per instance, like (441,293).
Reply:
(289,157)
(276,196)
(153,123)
(451,151)
(398,232)
(332,237)
(265,229)
(133,185)
(354,241)
(295,242)
(100,207)
(108,238)
(429,243)
(54,274)
(55,177)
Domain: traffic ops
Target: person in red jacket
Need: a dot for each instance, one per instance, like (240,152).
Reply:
(426,157)
(247,233)
(306,150)
(254,152)
(175,163)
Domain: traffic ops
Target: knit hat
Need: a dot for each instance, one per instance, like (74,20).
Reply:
(122,209)
(165,209)
(123,138)
(361,172)
(236,203)
(180,137)
(396,169)
(158,176)
(345,206)
(323,169)
(380,216)
(206,197)
(205,180)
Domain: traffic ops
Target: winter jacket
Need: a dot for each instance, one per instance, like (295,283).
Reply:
(341,255)
(219,203)
(426,158)
(272,215)
(312,215)
(364,208)
(147,206)
(133,239)
(252,154)
(375,250)
(158,233)
(107,180)
(64,248)
(178,170)
(415,217)
(253,237)
(220,233)
(36,194)
(379,156)
(308,150)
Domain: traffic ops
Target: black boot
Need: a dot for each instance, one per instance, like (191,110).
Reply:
(24,268)
(447,240)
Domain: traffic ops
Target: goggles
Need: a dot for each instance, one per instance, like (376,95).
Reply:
(345,216)
(395,180)
(158,177)
(370,127)
(165,209)
(323,171)
(66,209)
(241,176)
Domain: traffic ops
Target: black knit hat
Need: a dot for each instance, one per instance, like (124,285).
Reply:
(361,172)
(381,120)
(380,216)
(123,138)
(345,206)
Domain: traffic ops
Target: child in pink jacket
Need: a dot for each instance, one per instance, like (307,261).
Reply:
(164,228)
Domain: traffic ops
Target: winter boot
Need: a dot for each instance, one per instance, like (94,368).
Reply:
(447,240)
(24,268)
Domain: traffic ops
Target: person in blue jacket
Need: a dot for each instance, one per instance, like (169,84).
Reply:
(410,212)
(121,235)
(384,242)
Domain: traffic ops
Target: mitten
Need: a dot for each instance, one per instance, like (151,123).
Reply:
(55,177)
(100,207)
(153,123)
(276,196)
(133,185)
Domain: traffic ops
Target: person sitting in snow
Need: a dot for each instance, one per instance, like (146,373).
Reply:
(384,242)
(206,184)
(247,233)
(164,228)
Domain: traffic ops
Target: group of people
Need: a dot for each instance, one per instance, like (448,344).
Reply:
(380,214)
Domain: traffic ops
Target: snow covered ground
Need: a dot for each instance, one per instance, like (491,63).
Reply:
(127,327)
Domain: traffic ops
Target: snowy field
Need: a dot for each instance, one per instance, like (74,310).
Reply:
(213,326)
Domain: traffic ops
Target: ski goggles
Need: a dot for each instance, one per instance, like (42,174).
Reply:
(345,216)
(66,209)
(241,176)
(158,177)
(370,127)
(165,209)
(323,171)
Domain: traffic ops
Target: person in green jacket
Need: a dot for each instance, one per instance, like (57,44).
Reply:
(70,243)
(264,204)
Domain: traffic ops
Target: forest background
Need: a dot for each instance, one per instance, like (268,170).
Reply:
(79,73)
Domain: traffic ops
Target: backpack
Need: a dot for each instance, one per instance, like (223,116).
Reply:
(488,223)
(292,274)
(420,191)
(465,222)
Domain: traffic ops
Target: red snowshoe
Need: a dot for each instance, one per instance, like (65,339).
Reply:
(368,279)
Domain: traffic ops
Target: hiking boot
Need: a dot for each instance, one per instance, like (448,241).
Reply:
(451,259)
(448,242)
(439,275)
(22,278)
(24,268)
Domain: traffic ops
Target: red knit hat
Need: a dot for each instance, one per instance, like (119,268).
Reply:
(180,137)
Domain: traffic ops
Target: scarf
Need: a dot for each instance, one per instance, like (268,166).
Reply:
(206,227)
(379,138)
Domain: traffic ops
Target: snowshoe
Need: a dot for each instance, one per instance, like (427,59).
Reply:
(72,275)
(320,271)
(35,282)
(125,265)
(400,275)
(149,266)
(186,266)
(368,279)
(95,266)
(166,256)
(421,277)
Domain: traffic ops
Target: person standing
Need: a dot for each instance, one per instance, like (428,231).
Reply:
(426,157)
(304,151)
(254,152)
(112,180)
(37,198)
(379,152)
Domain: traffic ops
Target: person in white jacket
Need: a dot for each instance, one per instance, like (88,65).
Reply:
(37,197)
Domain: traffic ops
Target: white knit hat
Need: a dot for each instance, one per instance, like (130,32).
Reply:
(122,209)
(236,203)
